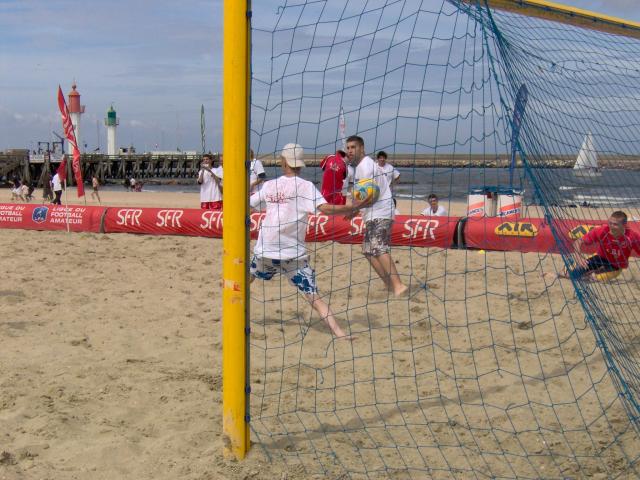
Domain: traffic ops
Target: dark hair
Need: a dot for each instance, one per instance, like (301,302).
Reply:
(357,139)
(620,215)
(432,197)
(208,155)
(382,153)
(341,153)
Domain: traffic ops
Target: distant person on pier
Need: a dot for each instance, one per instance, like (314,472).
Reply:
(210,181)
(95,184)
(434,209)
(393,175)
(132,184)
(334,173)
(257,175)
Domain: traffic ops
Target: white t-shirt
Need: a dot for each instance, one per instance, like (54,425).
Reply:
(209,189)
(289,201)
(440,212)
(255,169)
(57,185)
(391,172)
(383,208)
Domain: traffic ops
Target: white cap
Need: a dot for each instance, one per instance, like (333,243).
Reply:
(293,154)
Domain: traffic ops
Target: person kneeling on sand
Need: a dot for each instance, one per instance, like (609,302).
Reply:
(614,242)
(280,248)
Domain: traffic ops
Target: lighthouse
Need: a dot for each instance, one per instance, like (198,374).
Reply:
(75,111)
(111,123)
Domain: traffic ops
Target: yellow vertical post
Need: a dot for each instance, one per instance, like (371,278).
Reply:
(235,114)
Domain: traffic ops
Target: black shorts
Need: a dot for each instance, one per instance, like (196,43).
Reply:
(595,264)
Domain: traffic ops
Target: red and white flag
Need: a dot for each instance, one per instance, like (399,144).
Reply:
(67,125)
(62,170)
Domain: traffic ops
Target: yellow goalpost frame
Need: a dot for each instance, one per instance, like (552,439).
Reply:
(235,146)
(565,14)
(235,124)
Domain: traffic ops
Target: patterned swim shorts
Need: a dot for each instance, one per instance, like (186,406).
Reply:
(377,235)
(297,270)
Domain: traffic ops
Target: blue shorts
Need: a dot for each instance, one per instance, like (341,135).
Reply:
(297,270)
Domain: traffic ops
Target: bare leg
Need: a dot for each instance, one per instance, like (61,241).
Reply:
(386,269)
(377,266)
(327,315)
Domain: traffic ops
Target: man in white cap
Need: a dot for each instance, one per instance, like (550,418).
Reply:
(280,248)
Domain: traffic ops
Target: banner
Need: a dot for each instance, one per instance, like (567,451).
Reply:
(409,231)
(529,234)
(51,217)
(67,126)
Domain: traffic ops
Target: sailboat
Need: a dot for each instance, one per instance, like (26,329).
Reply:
(587,162)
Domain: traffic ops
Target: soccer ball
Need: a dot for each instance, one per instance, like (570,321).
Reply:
(366,189)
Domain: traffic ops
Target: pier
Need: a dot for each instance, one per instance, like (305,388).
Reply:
(33,168)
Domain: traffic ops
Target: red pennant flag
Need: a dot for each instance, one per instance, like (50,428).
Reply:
(62,169)
(67,125)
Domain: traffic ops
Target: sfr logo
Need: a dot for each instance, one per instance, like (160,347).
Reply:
(169,218)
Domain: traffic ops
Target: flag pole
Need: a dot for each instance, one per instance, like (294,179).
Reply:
(66,205)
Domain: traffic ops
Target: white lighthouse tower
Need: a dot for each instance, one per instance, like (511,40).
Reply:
(111,123)
(75,111)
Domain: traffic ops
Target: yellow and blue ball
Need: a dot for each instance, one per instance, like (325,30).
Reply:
(366,189)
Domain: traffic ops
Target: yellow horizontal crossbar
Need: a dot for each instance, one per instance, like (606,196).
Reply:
(568,15)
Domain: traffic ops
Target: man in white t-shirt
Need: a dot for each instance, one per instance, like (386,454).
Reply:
(56,186)
(378,217)
(392,173)
(257,175)
(434,210)
(210,180)
(280,248)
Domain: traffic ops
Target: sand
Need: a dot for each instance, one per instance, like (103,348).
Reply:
(110,365)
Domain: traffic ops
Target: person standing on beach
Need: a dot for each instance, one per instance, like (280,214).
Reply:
(56,186)
(334,173)
(210,180)
(280,248)
(257,175)
(377,216)
(95,184)
(392,173)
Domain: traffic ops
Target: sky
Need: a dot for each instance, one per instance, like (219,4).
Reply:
(155,61)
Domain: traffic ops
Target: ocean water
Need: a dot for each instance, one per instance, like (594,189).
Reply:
(560,186)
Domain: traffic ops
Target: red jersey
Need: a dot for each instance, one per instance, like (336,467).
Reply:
(616,250)
(335,171)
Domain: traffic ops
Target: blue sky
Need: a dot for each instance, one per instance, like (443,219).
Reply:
(156,61)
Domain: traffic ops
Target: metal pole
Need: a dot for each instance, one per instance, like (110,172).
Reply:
(235,258)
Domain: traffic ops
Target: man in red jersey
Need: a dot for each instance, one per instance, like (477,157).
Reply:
(614,242)
(335,171)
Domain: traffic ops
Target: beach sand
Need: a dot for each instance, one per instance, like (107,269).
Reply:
(110,365)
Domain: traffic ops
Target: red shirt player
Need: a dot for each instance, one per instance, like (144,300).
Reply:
(335,172)
(614,242)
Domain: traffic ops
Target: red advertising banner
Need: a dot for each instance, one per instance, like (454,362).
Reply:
(527,234)
(51,217)
(407,230)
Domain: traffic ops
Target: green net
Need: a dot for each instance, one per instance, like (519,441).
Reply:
(492,367)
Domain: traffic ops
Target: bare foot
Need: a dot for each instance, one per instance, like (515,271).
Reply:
(349,338)
(402,291)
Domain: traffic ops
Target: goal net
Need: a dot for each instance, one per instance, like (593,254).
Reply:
(526,129)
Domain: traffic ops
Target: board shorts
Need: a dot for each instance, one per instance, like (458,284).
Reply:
(211,205)
(297,270)
(595,264)
(377,236)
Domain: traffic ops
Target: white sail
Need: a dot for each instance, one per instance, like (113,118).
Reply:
(587,160)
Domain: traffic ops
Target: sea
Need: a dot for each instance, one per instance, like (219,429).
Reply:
(611,187)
